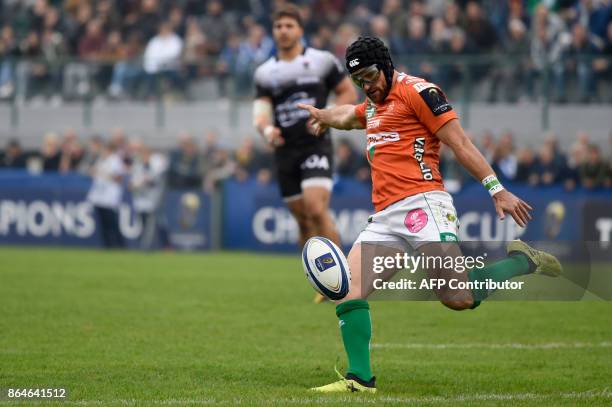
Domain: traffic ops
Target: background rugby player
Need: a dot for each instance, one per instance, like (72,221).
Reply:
(300,74)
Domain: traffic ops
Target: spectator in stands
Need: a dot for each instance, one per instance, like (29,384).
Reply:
(416,46)
(379,27)
(111,53)
(194,52)
(578,63)
(227,64)
(525,164)
(185,170)
(359,17)
(145,20)
(594,170)
(394,13)
(594,15)
(106,193)
(71,152)
(249,161)
(50,152)
(127,71)
(216,27)
(550,139)
(9,50)
(546,171)
(487,145)
(547,44)
(54,51)
(161,60)
(345,35)
(480,32)
(209,149)
(223,168)
(13,156)
(571,173)
(513,74)
(253,51)
(177,20)
(91,44)
(147,183)
(92,153)
(76,24)
(505,162)
(451,74)
(452,15)
(602,66)
(439,35)
(34,69)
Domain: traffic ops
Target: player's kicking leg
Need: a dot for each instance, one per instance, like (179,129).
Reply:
(353,313)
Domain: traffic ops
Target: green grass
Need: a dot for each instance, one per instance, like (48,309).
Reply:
(236,328)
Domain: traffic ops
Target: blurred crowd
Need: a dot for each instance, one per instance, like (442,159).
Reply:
(137,48)
(583,165)
(204,163)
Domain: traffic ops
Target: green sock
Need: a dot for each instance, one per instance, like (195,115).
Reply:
(505,269)
(356,328)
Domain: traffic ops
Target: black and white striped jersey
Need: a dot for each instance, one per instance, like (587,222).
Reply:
(308,78)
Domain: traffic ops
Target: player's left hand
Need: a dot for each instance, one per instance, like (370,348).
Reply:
(507,202)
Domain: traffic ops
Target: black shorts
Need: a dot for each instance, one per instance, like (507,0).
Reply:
(312,164)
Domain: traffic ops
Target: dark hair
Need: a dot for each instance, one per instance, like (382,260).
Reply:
(289,10)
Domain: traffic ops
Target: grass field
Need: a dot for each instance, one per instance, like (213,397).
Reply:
(239,329)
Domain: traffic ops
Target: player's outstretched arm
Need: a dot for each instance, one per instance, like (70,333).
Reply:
(471,159)
(339,117)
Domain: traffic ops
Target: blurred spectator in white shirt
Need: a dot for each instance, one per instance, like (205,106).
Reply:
(105,195)
(147,183)
(162,58)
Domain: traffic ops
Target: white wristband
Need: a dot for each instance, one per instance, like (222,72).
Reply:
(492,184)
(267,133)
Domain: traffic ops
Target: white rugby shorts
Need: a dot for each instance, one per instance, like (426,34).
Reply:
(414,221)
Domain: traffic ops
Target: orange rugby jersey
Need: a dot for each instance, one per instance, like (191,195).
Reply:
(402,148)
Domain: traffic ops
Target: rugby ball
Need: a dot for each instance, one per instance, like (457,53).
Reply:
(326,268)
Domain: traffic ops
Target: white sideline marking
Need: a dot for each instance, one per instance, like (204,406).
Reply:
(358,399)
(551,345)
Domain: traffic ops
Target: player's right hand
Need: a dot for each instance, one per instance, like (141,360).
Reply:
(314,125)
(507,202)
(273,136)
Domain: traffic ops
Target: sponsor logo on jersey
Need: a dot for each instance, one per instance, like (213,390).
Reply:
(419,155)
(374,123)
(382,138)
(354,62)
(288,113)
(316,161)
